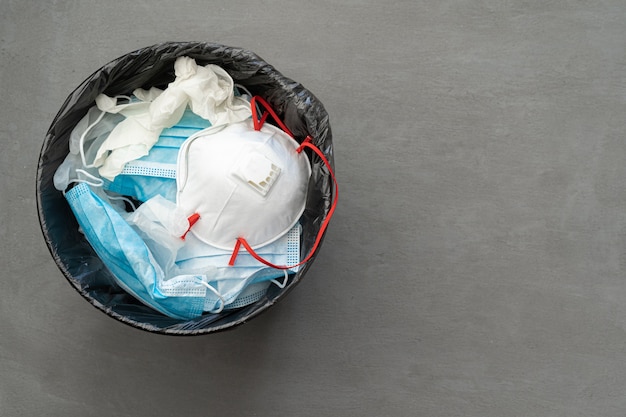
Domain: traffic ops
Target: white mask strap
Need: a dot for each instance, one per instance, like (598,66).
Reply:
(81,141)
(124,199)
(98,182)
(283,284)
(95,181)
(222,301)
(244,89)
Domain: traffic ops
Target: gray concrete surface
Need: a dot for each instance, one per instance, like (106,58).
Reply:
(476,265)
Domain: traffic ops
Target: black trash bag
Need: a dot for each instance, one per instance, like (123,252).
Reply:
(152,66)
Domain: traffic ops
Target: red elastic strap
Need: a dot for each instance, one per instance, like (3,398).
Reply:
(192,220)
(242,241)
(258,123)
(231,262)
(306,140)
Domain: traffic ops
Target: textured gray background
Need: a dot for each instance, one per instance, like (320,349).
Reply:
(476,264)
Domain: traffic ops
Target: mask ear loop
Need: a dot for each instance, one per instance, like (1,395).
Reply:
(81,140)
(97,182)
(124,199)
(242,241)
(222,301)
(283,284)
(244,89)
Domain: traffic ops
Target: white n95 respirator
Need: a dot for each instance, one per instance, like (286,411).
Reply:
(245,180)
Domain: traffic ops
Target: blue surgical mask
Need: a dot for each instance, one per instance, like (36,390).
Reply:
(201,279)
(155,173)
(251,294)
(233,282)
(128,258)
(160,224)
(243,291)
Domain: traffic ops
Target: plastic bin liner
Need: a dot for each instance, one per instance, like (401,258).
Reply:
(152,66)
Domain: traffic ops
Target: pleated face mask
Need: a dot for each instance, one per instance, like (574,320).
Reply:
(155,173)
(246,180)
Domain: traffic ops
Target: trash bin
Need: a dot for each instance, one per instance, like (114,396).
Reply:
(152,66)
